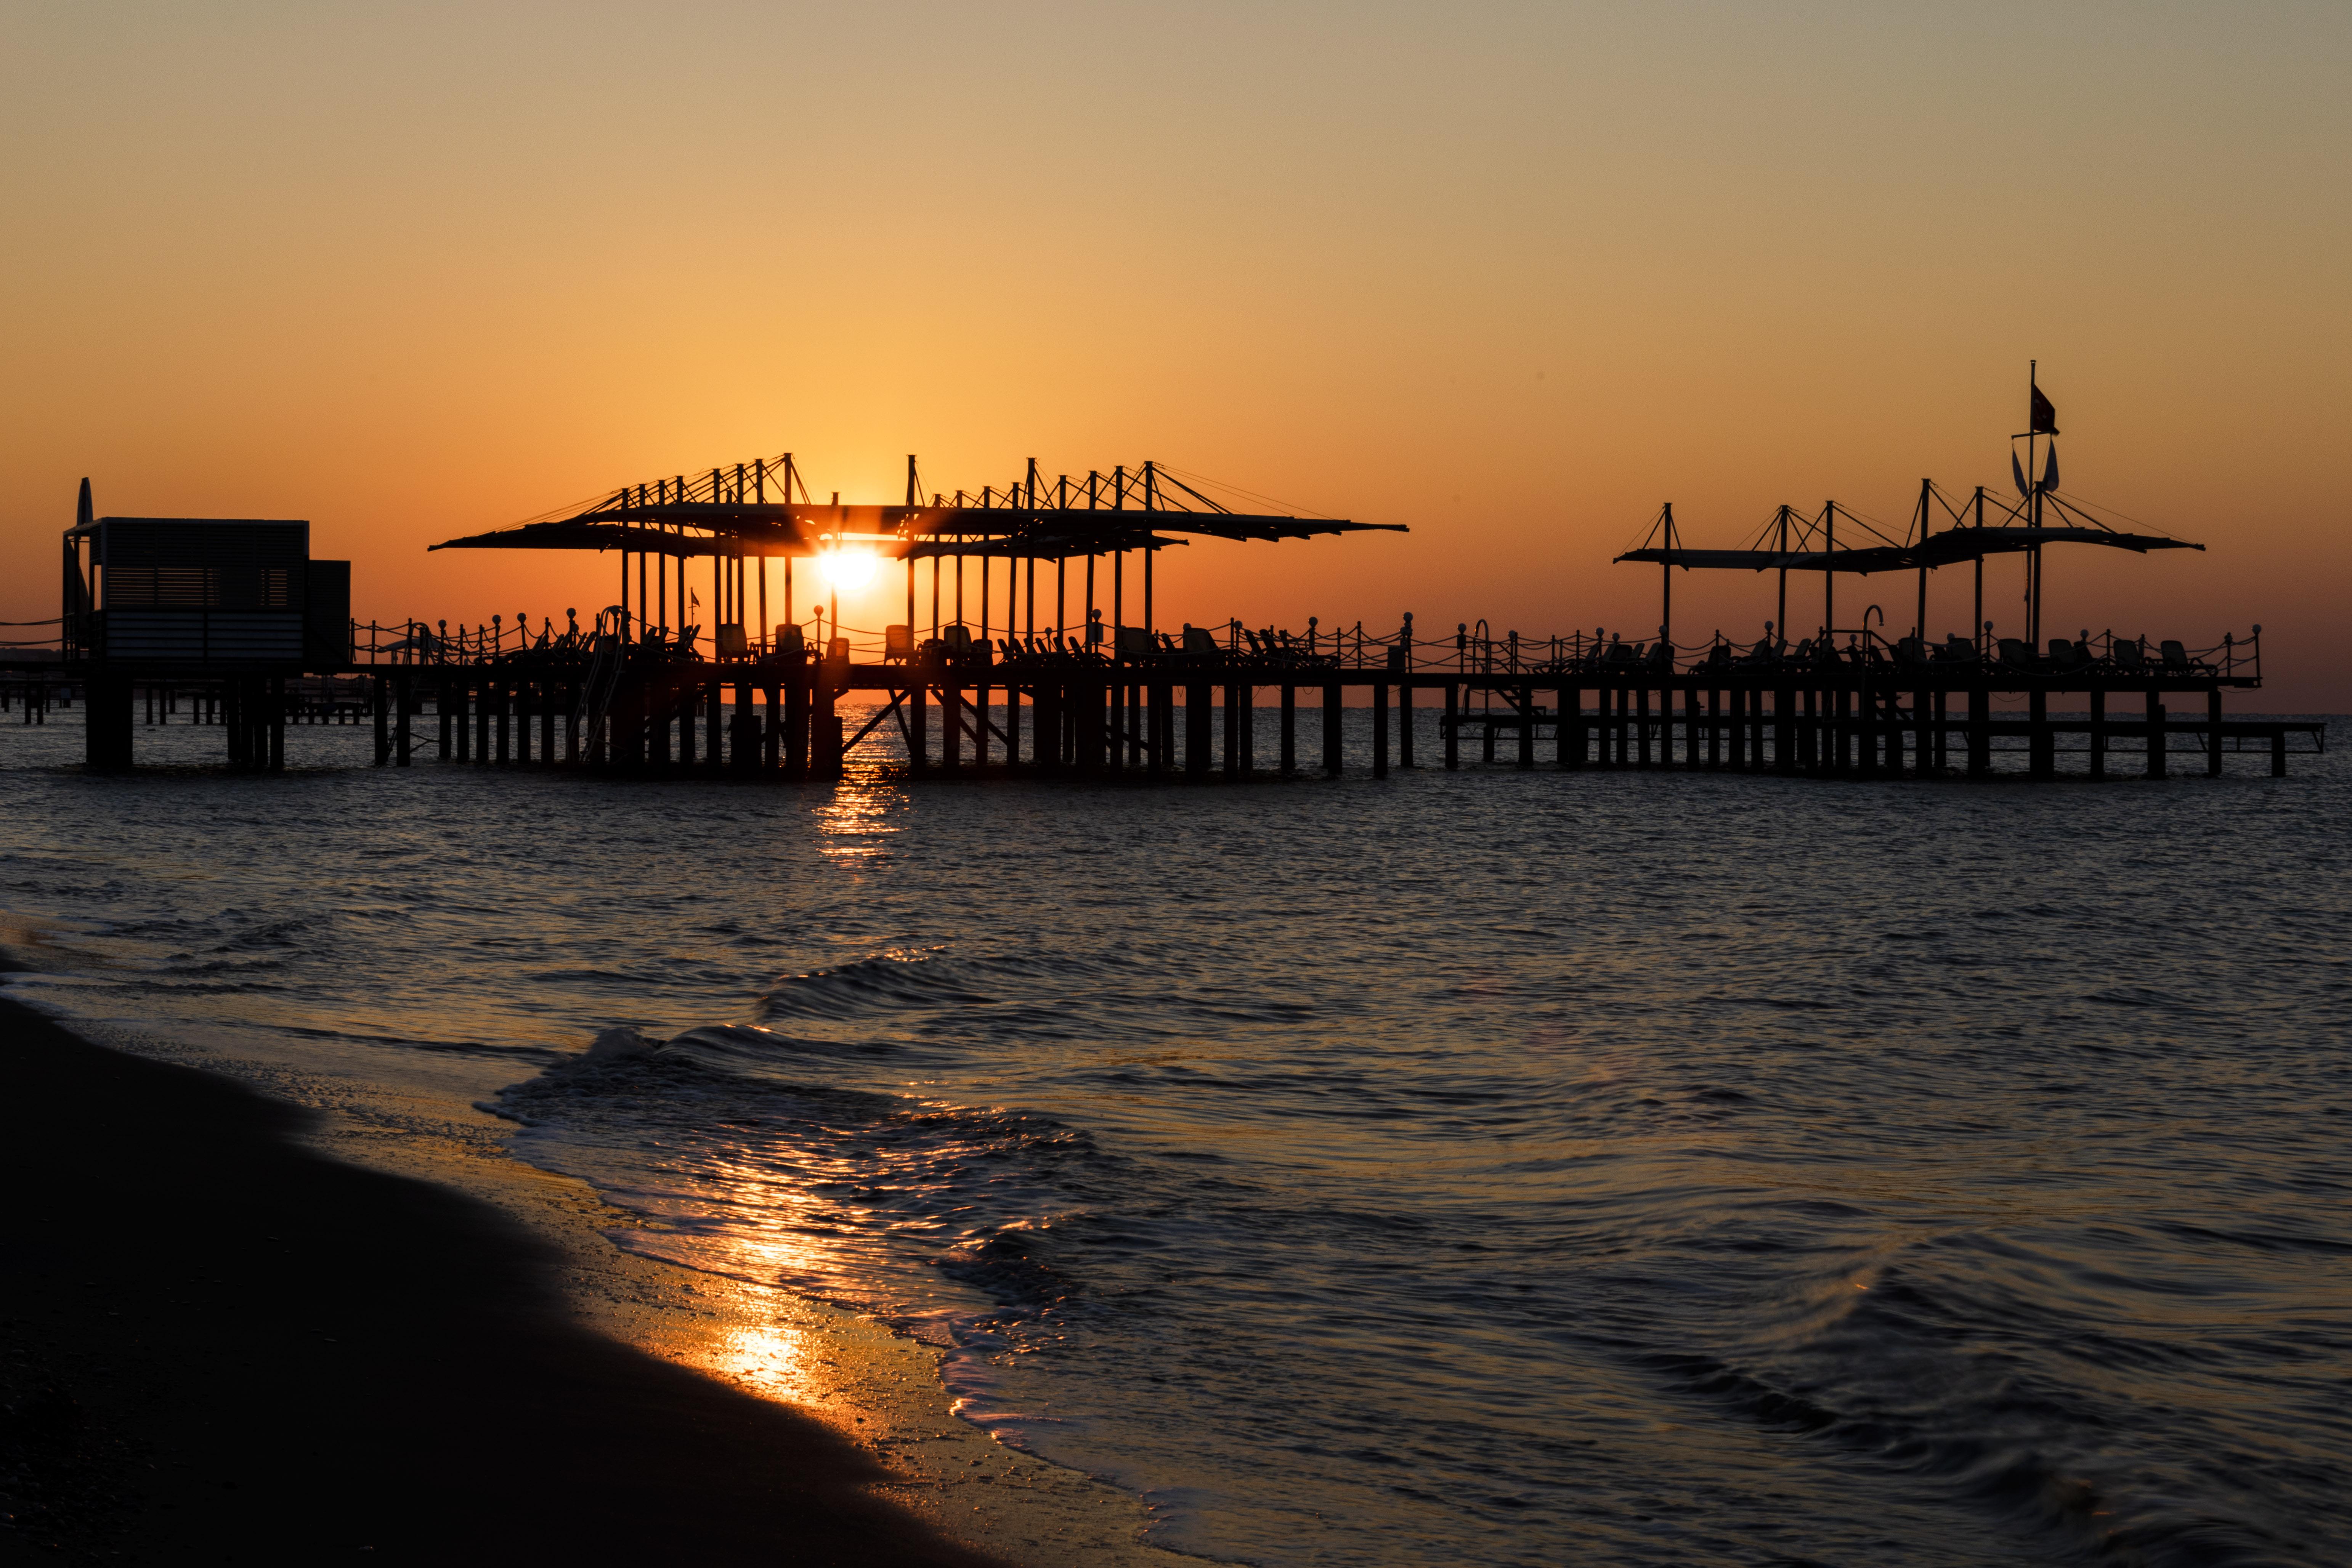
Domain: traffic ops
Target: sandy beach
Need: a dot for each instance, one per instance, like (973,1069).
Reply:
(217,1346)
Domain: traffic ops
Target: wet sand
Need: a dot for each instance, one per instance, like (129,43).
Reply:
(217,1346)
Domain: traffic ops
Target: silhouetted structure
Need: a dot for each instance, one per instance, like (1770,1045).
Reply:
(228,615)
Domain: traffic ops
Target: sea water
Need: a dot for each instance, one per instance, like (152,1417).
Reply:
(1487,1166)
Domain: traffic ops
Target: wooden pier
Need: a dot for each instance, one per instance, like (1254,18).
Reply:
(1018,651)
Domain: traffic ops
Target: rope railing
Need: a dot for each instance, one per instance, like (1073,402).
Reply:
(1470,653)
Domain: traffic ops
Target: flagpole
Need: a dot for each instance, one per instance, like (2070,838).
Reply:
(2033,491)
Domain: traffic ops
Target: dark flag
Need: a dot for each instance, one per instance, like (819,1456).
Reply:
(2045,418)
(2049,469)
(2017,471)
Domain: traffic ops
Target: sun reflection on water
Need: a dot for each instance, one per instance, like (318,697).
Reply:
(859,818)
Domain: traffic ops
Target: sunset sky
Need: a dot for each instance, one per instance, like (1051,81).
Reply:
(1511,274)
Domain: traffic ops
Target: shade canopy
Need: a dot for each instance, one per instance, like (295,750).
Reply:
(642,519)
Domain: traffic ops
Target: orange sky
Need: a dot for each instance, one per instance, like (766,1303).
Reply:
(1510,274)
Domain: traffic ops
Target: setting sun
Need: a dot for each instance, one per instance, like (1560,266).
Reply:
(849,570)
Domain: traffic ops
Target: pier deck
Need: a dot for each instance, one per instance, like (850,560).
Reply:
(646,708)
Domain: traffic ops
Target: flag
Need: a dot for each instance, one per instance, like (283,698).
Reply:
(2017,472)
(2044,421)
(2049,469)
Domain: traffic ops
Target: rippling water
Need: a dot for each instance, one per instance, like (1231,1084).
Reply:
(1489,1167)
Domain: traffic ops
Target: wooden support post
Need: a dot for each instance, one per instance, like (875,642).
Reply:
(952,727)
(2278,752)
(1245,726)
(1094,735)
(796,721)
(1198,715)
(1527,695)
(918,722)
(714,727)
(1234,732)
(403,698)
(2213,732)
(1289,728)
(109,709)
(2099,734)
(2156,759)
(1452,726)
(1380,730)
(1980,732)
(276,720)
(743,751)
(825,720)
(2041,747)
(1331,716)
(1404,722)
(382,719)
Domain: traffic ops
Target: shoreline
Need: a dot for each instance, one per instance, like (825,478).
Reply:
(218,1340)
